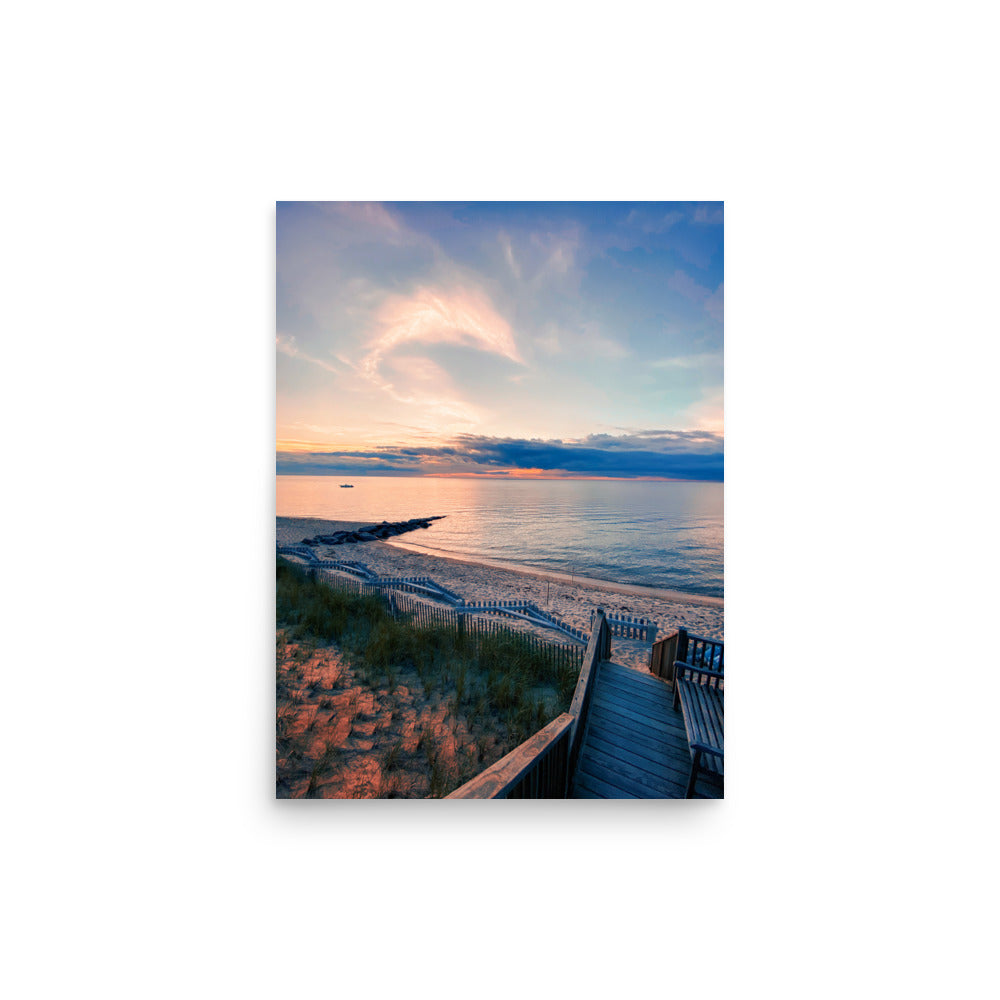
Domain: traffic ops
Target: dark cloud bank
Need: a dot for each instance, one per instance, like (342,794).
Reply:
(667,454)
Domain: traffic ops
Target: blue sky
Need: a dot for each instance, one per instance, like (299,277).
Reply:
(509,339)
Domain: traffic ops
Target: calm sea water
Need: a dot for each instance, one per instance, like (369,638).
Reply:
(666,535)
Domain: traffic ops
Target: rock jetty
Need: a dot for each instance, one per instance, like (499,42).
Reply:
(372,532)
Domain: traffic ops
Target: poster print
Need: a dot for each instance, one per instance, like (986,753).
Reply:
(499,499)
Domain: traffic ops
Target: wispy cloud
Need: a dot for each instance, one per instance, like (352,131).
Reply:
(689,361)
(431,316)
(496,319)
(508,252)
(558,253)
(288,346)
(653,222)
(586,340)
(366,215)
(429,389)
(714,304)
(705,214)
(684,284)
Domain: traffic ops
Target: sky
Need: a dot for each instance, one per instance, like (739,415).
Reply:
(523,340)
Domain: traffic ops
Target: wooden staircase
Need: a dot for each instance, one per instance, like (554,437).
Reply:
(621,738)
(634,745)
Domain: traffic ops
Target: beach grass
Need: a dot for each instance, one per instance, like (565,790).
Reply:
(500,684)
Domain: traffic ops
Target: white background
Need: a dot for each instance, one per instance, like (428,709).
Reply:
(855,851)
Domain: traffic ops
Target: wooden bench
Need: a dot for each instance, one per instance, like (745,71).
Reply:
(700,694)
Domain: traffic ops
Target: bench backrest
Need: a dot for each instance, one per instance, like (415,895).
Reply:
(700,651)
(693,674)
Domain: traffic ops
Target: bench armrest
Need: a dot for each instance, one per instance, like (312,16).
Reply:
(691,668)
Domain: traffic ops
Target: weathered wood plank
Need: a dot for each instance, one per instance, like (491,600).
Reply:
(641,744)
(659,734)
(658,711)
(660,694)
(658,691)
(636,743)
(597,783)
(702,708)
(644,741)
(660,731)
(597,649)
(662,655)
(703,726)
(610,771)
(648,737)
(672,769)
(658,780)
(646,682)
(619,727)
(710,732)
(591,778)
(638,713)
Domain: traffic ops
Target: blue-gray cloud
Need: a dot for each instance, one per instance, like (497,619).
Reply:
(658,453)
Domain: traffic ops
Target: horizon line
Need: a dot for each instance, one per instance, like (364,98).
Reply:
(492,475)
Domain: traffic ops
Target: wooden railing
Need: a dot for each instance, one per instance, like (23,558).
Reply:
(537,769)
(543,765)
(699,651)
(599,648)
(662,655)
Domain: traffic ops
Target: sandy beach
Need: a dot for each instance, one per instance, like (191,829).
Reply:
(571,598)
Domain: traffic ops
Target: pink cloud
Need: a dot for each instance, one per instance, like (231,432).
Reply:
(434,317)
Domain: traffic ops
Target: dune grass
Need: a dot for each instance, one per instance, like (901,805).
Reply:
(499,681)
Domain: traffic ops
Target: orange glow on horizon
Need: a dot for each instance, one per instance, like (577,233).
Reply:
(305,447)
(549,474)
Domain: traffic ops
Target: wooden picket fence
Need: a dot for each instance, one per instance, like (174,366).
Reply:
(562,655)
(363,581)
(629,627)
(462,623)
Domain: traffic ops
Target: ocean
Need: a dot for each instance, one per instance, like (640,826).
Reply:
(667,535)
